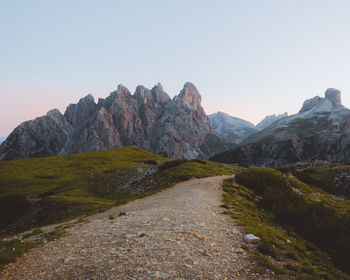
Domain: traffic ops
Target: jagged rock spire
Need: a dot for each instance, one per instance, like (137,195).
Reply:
(333,95)
(190,95)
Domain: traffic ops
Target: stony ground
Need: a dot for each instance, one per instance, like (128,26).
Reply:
(179,233)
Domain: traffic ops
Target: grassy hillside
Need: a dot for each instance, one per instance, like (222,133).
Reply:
(304,231)
(331,177)
(64,187)
(41,191)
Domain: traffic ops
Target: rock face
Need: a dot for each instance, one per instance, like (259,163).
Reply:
(333,95)
(149,119)
(234,128)
(321,130)
(269,120)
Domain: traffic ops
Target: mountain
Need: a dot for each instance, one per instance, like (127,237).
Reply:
(149,119)
(234,128)
(2,139)
(269,120)
(321,130)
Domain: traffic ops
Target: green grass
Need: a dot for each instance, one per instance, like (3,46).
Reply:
(11,250)
(303,231)
(68,174)
(42,191)
(331,177)
(60,187)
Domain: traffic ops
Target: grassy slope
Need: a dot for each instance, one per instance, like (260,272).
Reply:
(332,177)
(296,216)
(65,174)
(42,191)
(60,186)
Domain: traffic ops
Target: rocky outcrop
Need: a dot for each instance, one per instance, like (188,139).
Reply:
(310,103)
(37,138)
(234,128)
(321,130)
(333,95)
(269,120)
(149,119)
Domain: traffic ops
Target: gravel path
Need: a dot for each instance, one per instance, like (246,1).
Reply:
(178,233)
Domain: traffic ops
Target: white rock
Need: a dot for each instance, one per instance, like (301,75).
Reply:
(251,238)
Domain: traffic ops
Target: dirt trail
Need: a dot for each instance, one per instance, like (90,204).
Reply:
(178,233)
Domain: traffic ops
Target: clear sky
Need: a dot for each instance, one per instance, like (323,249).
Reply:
(247,58)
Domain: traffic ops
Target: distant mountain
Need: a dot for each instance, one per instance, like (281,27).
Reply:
(2,139)
(321,130)
(234,128)
(269,120)
(149,119)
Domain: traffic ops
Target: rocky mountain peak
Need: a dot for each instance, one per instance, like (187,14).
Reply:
(148,119)
(143,95)
(159,87)
(321,130)
(332,99)
(334,95)
(310,103)
(123,91)
(88,98)
(78,113)
(54,114)
(234,128)
(190,95)
(160,96)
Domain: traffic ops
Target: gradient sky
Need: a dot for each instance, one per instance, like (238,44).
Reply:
(247,58)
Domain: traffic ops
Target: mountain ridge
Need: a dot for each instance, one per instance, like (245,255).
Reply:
(149,119)
(320,130)
(270,119)
(234,128)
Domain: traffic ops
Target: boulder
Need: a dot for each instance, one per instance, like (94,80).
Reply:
(251,238)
